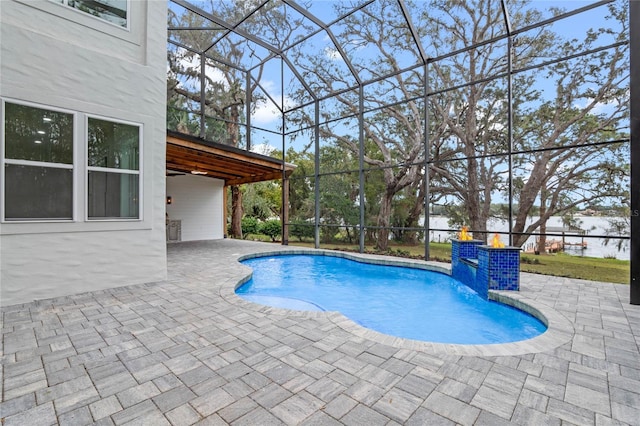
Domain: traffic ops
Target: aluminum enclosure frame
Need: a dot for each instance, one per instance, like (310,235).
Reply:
(424,63)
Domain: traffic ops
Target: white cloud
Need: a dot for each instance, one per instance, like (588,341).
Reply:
(333,54)
(263,148)
(267,112)
(599,107)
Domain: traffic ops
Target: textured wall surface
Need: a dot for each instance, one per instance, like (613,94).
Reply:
(197,203)
(61,58)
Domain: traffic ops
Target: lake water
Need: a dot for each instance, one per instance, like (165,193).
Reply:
(592,224)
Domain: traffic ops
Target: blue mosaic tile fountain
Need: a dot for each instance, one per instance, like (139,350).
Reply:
(483,268)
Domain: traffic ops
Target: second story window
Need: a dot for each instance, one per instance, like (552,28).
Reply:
(113,11)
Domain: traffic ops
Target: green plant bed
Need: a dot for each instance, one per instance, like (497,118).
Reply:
(559,265)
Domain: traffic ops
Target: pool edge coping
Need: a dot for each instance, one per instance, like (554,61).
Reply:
(559,328)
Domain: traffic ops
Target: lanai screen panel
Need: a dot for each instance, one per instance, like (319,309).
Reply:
(451,105)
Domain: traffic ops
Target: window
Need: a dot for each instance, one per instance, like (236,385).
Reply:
(38,163)
(113,169)
(113,11)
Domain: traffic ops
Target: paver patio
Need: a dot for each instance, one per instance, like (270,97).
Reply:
(188,351)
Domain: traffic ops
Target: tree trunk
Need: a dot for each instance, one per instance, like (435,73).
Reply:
(382,242)
(236,194)
(475,208)
(236,212)
(413,218)
(542,241)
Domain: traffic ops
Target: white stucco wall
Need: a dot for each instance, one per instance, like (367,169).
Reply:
(58,57)
(197,202)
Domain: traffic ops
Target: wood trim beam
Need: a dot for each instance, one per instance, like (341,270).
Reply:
(230,164)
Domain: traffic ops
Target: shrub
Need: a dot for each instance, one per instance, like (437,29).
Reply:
(271,228)
(301,229)
(249,226)
(529,261)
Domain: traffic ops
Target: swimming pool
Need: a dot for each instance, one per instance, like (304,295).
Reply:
(399,301)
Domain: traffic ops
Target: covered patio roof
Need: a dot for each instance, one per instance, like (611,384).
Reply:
(191,154)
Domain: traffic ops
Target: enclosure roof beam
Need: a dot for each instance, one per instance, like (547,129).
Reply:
(187,5)
(191,49)
(505,15)
(244,18)
(304,12)
(412,30)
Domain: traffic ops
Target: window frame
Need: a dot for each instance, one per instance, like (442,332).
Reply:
(32,163)
(65,3)
(89,168)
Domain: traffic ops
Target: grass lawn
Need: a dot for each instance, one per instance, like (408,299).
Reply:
(587,268)
(560,264)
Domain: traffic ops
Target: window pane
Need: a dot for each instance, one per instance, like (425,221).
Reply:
(113,145)
(38,193)
(114,11)
(38,134)
(113,195)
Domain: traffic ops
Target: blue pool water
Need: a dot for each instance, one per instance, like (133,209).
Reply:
(404,302)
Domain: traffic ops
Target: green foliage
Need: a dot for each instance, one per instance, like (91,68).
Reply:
(529,261)
(301,229)
(249,226)
(262,200)
(301,187)
(271,228)
(619,226)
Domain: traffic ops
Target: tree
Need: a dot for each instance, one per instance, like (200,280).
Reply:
(393,130)
(571,168)
(619,226)
(468,173)
(338,194)
(224,75)
(301,186)
(262,200)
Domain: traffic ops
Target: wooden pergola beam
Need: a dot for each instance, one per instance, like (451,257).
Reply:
(186,153)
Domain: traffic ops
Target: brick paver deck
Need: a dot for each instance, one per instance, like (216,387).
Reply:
(188,351)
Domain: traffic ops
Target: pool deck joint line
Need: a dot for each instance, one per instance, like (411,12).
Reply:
(187,350)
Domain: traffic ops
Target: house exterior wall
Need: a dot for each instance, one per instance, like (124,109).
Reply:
(197,202)
(58,57)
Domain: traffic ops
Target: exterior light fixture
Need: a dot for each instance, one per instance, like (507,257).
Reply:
(198,172)
(169,199)
(37,141)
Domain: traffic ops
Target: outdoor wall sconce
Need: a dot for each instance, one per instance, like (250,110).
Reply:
(169,199)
